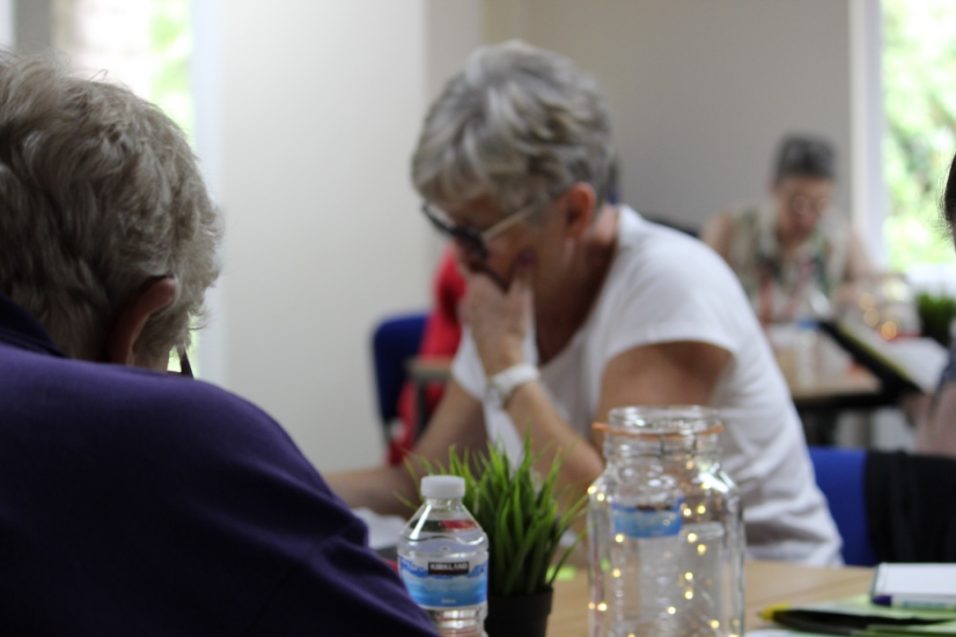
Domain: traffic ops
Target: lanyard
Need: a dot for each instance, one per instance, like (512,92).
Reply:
(765,311)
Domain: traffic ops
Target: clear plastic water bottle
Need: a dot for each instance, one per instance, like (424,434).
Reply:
(665,529)
(443,559)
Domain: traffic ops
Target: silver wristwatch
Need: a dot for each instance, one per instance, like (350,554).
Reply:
(504,383)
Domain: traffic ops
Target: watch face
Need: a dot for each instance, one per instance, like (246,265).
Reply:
(503,384)
(495,395)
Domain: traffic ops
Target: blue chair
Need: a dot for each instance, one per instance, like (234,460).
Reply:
(840,476)
(394,340)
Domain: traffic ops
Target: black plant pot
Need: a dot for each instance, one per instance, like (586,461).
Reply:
(521,616)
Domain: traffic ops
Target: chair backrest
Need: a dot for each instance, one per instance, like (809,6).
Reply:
(840,476)
(395,340)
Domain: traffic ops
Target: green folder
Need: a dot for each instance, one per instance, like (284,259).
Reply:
(857,616)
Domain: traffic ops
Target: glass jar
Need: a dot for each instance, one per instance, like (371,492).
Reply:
(665,529)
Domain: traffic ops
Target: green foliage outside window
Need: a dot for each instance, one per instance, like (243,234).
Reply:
(919,67)
(170,43)
(170,48)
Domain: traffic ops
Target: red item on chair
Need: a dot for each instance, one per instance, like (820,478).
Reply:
(440,340)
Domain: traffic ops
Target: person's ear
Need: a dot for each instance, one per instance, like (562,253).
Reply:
(579,200)
(156,295)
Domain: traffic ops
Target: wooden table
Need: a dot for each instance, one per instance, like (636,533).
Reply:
(851,384)
(821,375)
(765,583)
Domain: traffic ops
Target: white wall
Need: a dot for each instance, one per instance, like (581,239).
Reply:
(32,24)
(6,24)
(320,106)
(701,91)
(454,28)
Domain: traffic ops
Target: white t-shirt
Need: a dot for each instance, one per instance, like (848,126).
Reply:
(662,287)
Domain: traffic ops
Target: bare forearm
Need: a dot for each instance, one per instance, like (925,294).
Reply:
(386,489)
(532,411)
(382,489)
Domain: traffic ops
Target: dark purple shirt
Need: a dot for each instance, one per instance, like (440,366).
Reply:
(139,503)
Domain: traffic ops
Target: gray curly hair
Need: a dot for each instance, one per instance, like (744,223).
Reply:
(518,125)
(99,194)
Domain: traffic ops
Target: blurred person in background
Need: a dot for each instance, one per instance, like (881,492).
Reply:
(574,305)
(135,501)
(793,254)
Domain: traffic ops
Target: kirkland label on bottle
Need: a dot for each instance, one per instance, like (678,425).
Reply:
(448,568)
(643,521)
(437,584)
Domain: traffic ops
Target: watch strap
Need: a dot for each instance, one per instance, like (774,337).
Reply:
(503,384)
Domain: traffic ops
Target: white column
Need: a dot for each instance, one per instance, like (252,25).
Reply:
(6,24)
(867,125)
(205,71)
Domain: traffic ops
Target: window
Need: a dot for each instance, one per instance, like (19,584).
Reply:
(145,45)
(919,67)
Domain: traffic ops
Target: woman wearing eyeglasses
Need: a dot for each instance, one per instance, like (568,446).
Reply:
(575,306)
(793,254)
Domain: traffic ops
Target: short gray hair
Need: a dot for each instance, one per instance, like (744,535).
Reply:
(99,194)
(517,125)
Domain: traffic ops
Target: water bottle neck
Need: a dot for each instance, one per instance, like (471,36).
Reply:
(445,503)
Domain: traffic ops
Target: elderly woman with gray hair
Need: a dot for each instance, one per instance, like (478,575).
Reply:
(575,306)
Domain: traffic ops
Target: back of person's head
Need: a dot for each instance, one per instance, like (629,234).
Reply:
(99,195)
(518,125)
(805,156)
(949,195)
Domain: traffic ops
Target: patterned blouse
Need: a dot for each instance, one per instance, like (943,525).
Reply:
(799,287)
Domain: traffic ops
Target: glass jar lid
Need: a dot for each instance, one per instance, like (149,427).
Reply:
(671,422)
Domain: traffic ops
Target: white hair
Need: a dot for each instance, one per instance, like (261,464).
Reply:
(99,194)
(518,125)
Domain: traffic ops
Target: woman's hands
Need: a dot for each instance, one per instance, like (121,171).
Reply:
(499,318)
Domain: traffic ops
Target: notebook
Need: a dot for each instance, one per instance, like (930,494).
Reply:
(910,363)
(931,586)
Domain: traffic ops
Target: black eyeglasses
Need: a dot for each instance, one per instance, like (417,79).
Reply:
(185,369)
(803,205)
(473,241)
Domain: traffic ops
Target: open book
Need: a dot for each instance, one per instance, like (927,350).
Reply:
(906,363)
